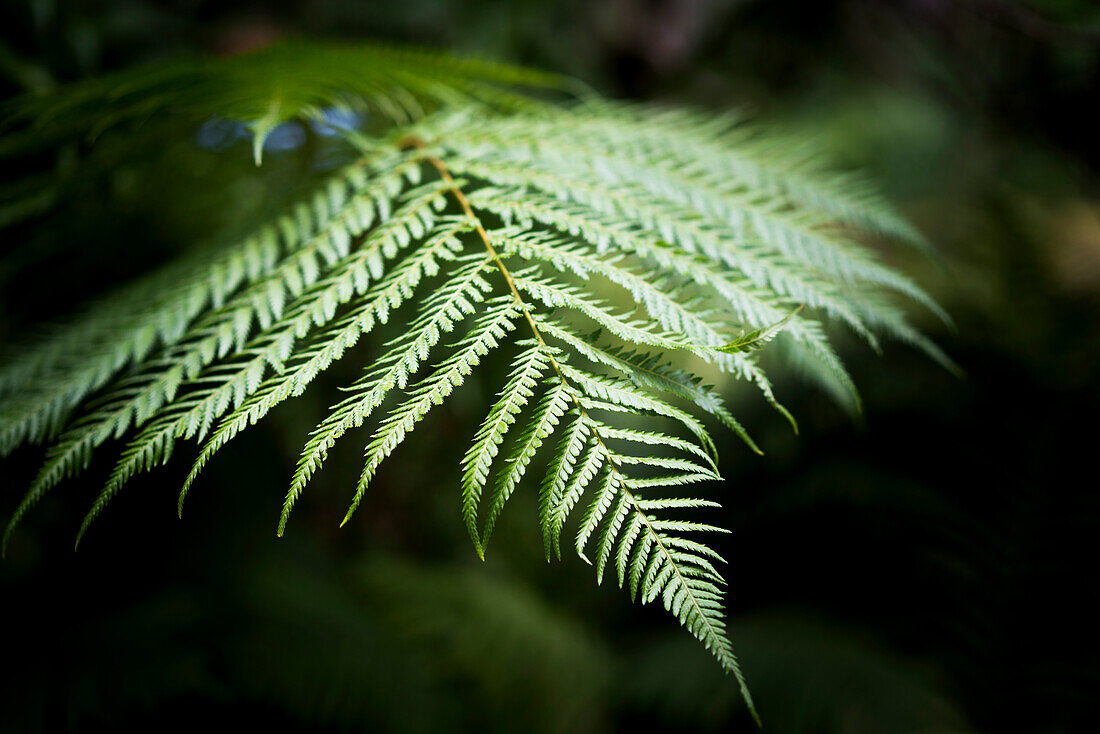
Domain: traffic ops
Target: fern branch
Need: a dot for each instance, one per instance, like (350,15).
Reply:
(528,367)
(444,309)
(697,615)
(330,344)
(434,389)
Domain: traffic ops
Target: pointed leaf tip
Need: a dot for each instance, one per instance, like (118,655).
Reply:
(261,128)
(258,148)
(755,339)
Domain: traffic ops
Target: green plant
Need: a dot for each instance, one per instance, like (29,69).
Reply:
(604,245)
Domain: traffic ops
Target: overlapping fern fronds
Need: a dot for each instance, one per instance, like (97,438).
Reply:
(602,246)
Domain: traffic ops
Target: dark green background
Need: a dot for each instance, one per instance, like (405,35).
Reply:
(927,568)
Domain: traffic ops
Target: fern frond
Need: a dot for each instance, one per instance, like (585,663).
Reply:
(724,146)
(561,472)
(660,440)
(329,345)
(434,389)
(541,426)
(440,313)
(612,391)
(152,391)
(798,236)
(601,246)
(588,468)
(651,372)
(677,225)
(528,367)
(281,260)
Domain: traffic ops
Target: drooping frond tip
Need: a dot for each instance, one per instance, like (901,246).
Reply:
(604,247)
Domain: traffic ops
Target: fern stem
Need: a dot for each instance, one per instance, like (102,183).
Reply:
(413,141)
(467,208)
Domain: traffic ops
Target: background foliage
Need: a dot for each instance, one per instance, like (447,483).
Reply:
(923,570)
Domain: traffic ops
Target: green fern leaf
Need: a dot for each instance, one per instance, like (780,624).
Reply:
(528,367)
(602,247)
